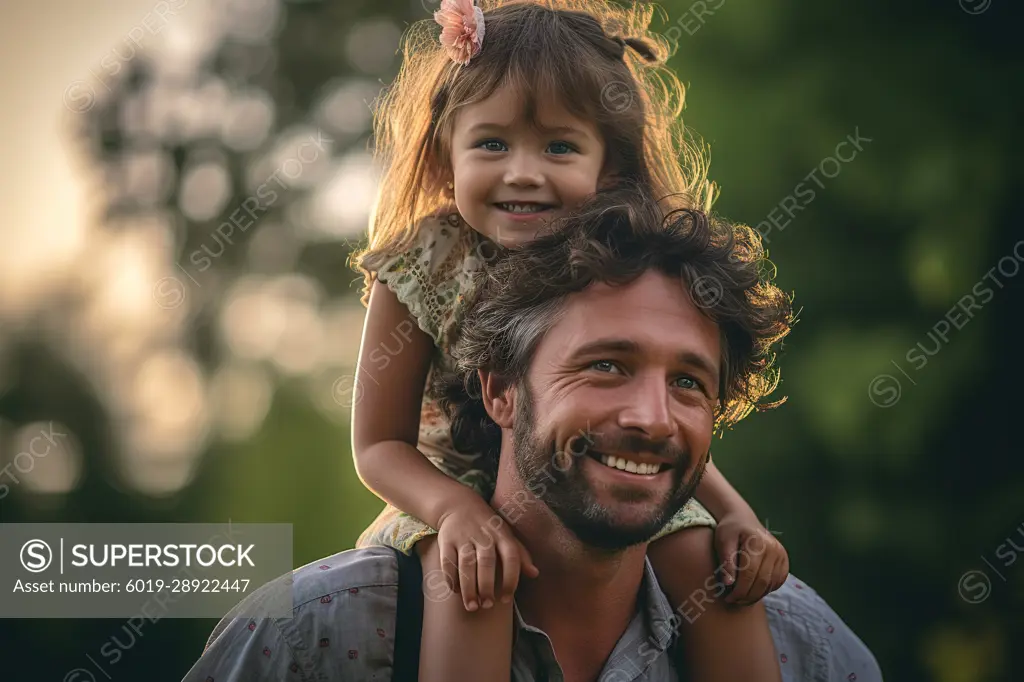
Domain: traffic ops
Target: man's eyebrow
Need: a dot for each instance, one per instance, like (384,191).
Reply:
(699,361)
(616,345)
(598,346)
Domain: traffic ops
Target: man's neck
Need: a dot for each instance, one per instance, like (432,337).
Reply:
(584,598)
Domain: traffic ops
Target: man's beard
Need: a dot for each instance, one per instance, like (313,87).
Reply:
(569,495)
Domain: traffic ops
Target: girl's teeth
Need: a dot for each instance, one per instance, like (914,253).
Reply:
(522,208)
(632,467)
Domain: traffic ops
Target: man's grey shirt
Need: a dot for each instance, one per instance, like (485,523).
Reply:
(343,629)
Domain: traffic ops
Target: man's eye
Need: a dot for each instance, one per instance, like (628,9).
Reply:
(606,366)
(560,148)
(688,383)
(492,145)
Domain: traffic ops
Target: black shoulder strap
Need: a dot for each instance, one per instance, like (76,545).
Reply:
(409,618)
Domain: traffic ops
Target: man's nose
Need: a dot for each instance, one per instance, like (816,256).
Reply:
(524,169)
(648,408)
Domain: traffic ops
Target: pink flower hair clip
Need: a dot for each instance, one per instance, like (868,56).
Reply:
(462,29)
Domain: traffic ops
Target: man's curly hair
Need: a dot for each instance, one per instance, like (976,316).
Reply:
(614,238)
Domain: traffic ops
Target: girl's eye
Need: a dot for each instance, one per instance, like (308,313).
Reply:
(560,148)
(493,145)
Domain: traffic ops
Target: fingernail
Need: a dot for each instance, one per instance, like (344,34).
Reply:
(506,600)
(471,606)
(488,603)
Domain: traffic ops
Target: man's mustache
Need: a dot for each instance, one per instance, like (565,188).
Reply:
(606,443)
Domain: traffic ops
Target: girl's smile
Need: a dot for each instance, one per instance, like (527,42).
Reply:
(525,210)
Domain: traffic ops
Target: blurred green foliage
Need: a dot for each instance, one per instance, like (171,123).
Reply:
(883,508)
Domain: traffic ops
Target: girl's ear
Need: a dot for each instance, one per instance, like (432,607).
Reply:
(438,177)
(440,182)
(498,398)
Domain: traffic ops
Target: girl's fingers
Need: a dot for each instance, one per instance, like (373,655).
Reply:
(486,566)
(781,572)
(509,568)
(449,564)
(727,551)
(529,567)
(784,573)
(467,576)
(744,578)
(763,582)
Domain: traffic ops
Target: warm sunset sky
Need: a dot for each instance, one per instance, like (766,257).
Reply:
(48,45)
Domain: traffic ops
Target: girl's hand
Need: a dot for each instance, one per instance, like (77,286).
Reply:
(472,537)
(753,561)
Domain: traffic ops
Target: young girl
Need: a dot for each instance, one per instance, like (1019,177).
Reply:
(508,121)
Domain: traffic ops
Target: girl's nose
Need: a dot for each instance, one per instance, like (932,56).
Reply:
(523,170)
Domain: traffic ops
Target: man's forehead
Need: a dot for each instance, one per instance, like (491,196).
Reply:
(654,311)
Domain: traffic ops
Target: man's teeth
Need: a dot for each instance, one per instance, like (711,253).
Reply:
(630,466)
(522,208)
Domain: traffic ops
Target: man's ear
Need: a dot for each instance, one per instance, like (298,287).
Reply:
(498,397)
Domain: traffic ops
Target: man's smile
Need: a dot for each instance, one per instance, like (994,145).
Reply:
(640,463)
(623,464)
(619,469)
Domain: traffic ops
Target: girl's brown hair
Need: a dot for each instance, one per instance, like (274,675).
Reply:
(599,60)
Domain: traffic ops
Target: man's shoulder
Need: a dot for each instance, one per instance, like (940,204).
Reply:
(352,569)
(346,602)
(321,581)
(812,640)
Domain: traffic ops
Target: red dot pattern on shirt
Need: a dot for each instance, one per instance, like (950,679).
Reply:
(294,667)
(852,677)
(353,654)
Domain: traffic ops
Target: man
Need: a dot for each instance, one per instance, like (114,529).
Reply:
(637,340)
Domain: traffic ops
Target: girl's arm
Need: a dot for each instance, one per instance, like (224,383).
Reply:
(394,359)
(718,642)
(751,557)
(718,496)
(460,641)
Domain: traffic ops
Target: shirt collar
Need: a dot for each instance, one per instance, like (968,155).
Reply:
(652,606)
